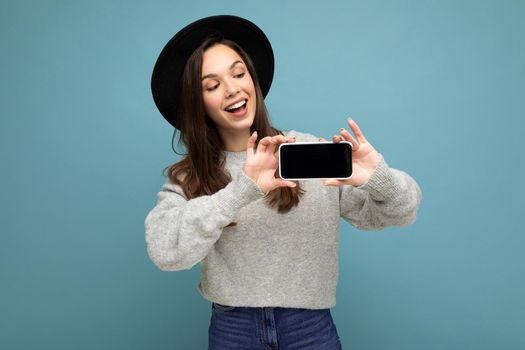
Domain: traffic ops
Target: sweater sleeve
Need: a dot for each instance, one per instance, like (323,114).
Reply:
(390,198)
(181,232)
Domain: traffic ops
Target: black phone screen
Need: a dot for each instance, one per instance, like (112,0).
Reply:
(315,160)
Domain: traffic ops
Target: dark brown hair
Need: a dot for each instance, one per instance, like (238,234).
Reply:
(201,171)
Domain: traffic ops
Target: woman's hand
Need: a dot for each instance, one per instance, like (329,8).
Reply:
(262,163)
(364,157)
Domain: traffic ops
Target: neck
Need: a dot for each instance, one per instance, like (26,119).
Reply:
(235,141)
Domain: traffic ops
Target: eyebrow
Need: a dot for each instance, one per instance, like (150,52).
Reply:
(215,75)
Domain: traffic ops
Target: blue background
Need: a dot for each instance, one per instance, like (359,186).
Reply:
(436,86)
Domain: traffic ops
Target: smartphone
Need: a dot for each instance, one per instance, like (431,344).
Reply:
(315,160)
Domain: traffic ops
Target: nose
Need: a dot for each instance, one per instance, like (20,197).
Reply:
(231,89)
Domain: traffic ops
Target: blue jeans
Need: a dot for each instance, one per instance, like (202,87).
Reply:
(271,328)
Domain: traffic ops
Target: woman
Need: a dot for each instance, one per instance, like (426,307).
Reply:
(267,247)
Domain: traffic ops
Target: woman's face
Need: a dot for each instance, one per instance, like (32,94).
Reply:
(228,90)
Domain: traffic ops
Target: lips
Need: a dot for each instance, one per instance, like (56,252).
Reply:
(237,106)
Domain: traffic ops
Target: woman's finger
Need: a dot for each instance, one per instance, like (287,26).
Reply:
(281,139)
(271,147)
(322,140)
(278,139)
(357,131)
(333,183)
(337,138)
(264,144)
(284,183)
(251,144)
(348,137)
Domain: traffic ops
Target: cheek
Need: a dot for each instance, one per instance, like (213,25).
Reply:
(251,90)
(210,104)
(251,87)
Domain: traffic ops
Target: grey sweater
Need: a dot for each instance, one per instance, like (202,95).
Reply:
(271,259)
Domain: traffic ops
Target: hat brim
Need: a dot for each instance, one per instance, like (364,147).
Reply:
(165,80)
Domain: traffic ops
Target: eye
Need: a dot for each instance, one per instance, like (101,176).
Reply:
(240,75)
(211,88)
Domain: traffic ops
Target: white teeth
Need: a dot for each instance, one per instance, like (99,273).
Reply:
(237,105)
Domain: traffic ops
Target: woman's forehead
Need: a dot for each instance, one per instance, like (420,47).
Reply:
(220,58)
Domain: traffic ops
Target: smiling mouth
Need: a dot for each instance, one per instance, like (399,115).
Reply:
(237,107)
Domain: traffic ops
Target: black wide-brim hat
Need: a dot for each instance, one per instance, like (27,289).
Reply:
(167,73)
